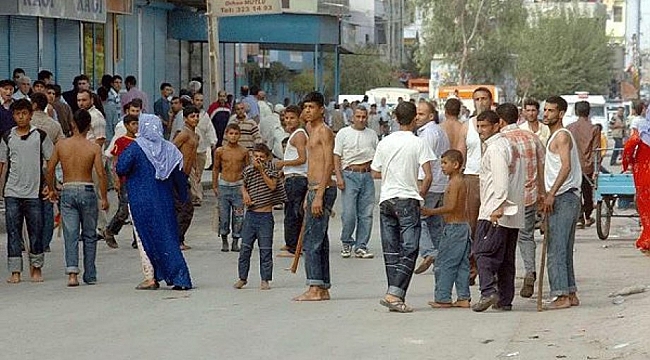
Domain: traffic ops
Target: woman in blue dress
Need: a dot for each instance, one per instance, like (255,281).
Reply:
(152,166)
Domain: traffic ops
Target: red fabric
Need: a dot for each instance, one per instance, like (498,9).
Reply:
(121,144)
(637,155)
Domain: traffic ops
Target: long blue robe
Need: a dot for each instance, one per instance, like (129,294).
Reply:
(152,208)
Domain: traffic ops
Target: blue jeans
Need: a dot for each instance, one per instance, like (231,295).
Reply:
(48,222)
(561,237)
(526,240)
(433,225)
(358,202)
(18,211)
(79,210)
(257,226)
(316,242)
(400,238)
(231,203)
(296,188)
(452,264)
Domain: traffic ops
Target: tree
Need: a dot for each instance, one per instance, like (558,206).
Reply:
(562,53)
(302,83)
(474,35)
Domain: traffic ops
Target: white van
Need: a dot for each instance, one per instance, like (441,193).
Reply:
(598,113)
(392,94)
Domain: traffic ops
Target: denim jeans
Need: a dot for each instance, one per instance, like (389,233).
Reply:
(47,209)
(561,236)
(296,188)
(79,210)
(17,212)
(452,264)
(358,202)
(526,240)
(433,226)
(495,248)
(122,213)
(257,226)
(231,203)
(400,238)
(316,242)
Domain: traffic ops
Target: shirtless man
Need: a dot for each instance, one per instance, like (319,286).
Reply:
(79,159)
(321,195)
(227,181)
(452,126)
(187,142)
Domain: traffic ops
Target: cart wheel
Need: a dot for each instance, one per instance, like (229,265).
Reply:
(603,218)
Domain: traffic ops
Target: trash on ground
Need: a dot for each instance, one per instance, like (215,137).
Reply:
(618,300)
(634,289)
(516,353)
(487,341)
(620,346)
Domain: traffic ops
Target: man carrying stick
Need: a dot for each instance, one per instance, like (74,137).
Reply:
(321,194)
(562,179)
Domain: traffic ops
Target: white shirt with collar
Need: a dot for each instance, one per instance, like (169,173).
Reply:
(97,125)
(206,132)
(355,147)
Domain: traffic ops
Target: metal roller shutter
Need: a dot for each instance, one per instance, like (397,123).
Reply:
(23,44)
(68,52)
(48,46)
(5,71)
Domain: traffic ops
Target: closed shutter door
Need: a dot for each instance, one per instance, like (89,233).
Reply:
(49,39)
(68,52)
(5,71)
(23,44)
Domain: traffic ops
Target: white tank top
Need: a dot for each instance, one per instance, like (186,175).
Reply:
(553,164)
(291,153)
(473,143)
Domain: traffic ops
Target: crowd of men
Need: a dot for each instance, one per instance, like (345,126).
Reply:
(462,193)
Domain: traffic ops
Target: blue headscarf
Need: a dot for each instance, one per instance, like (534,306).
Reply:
(162,154)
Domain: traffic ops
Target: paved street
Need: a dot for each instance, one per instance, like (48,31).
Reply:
(214,321)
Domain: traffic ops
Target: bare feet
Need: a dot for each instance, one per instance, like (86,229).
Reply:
(324,294)
(264,285)
(439,305)
(35,274)
(72,280)
(14,278)
(240,284)
(314,293)
(573,299)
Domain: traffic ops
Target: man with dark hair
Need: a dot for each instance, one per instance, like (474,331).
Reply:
(79,159)
(250,132)
(23,150)
(531,152)
(562,181)
(219,112)
(6,117)
(162,106)
(396,162)
(46,77)
(132,92)
(452,126)
(617,128)
(501,214)
(587,138)
(250,100)
(532,124)
(62,109)
(321,194)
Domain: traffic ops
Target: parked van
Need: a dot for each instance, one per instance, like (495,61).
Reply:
(598,113)
(392,94)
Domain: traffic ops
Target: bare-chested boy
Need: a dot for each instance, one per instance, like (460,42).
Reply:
(227,181)
(79,158)
(452,126)
(452,264)
(321,195)
(187,142)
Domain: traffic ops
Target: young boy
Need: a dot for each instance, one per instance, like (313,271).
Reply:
(119,219)
(187,141)
(452,264)
(229,163)
(262,190)
(23,150)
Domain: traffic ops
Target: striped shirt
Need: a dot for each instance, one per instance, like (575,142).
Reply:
(259,192)
(250,133)
(530,149)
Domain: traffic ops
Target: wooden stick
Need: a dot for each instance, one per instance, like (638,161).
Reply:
(296,255)
(542,265)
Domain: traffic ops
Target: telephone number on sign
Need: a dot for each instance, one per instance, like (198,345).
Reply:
(245,9)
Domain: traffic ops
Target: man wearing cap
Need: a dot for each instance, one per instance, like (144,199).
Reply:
(24,84)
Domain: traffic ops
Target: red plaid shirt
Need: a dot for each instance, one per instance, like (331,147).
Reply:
(525,145)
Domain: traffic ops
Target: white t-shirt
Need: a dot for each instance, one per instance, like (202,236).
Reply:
(398,158)
(355,146)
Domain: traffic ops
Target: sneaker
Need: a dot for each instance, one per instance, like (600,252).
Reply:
(346,252)
(485,302)
(590,222)
(528,287)
(224,243)
(580,224)
(363,254)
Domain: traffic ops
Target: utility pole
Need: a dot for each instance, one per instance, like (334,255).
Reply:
(213,45)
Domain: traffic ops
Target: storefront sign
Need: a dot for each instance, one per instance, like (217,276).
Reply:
(83,10)
(246,7)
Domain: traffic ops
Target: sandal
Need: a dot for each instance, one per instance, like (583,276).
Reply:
(396,306)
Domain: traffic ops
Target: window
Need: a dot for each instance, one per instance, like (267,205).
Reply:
(94,52)
(285,4)
(618,13)
(295,56)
